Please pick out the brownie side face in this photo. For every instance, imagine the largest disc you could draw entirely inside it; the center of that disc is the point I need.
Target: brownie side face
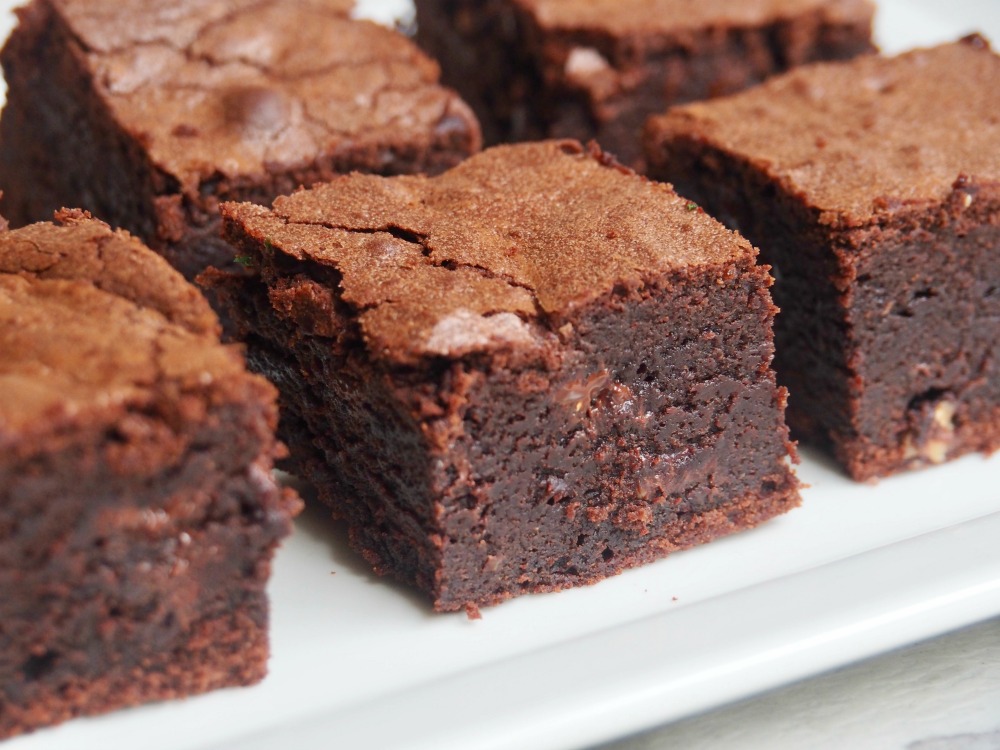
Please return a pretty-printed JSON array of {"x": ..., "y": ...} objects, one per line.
[
  {"x": 138, "y": 513},
  {"x": 585, "y": 69},
  {"x": 878, "y": 207},
  {"x": 529, "y": 373},
  {"x": 148, "y": 116}
]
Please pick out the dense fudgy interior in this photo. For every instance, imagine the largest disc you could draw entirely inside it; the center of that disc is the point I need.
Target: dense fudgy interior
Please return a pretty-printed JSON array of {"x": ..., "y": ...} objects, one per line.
[
  {"x": 886, "y": 340},
  {"x": 532, "y": 81},
  {"x": 133, "y": 575},
  {"x": 123, "y": 588},
  {"x": 652, "y": 425}
]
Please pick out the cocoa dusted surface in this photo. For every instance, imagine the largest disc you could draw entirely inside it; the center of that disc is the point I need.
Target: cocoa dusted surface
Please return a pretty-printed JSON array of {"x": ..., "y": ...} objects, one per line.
[
  {"x": 138, "y": 513},
  {"x": 149, "y": 114},
  {"x": 528, "y": 373},
  {"x": 878, "y": 208},
  {"x": 597, "y": 69}
]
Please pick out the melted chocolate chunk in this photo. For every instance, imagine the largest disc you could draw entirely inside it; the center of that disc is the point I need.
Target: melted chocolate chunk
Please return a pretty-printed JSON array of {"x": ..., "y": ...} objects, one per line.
[{"x": 256, "y": 108}]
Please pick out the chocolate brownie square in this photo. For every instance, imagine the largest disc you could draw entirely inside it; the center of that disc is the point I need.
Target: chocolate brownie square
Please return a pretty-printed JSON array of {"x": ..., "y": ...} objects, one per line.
[
  {"x": 597, "y": 68},
  {"x": 149, "y": 113},
  {"x": 873, "y": 187},
  {"x": 528, "y": 373},
  {"x": 138, "y": 513}
]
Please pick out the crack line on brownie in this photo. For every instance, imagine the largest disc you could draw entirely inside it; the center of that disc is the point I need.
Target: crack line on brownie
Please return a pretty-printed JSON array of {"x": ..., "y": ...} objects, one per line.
[
  {"x": 320, "y": 72},
  {"x": 422, "y": 241},
  {"x": 38, "y": 250}
]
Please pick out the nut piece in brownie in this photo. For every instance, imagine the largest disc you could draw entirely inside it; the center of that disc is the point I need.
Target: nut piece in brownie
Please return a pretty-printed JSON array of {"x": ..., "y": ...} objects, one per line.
[
  {"x": 149, "y": 113},
  {"x": 873, "y": 187},
  {"x": 528, "y": 373},
  {"x": 597, "y": 68},
  {"x": 138, "y": 513}
]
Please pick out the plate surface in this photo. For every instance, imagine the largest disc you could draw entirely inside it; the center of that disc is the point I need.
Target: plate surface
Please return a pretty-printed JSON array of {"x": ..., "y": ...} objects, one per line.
[{"x": 361, "y": 663}]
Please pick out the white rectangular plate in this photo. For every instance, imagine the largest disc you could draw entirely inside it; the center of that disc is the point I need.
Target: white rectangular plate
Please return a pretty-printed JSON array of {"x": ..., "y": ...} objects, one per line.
[{"x": 359, "y": 662}]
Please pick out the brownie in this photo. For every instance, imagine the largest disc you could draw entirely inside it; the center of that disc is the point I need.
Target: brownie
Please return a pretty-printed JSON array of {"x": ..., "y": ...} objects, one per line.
[
  {"x": 531, "y": 372},
  {"x": 149, "y": 113},
  {"x": 873, "y": 187},
  {"x": 138, "y": 512},
  {"x": 597, "y": 68}
]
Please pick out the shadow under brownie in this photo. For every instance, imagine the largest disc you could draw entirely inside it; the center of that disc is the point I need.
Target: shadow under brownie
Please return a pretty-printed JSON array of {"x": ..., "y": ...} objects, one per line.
[{"x": 528, "y": 373}]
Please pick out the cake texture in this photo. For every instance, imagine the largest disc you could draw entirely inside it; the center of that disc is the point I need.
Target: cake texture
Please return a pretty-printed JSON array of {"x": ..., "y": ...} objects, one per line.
[
  {"x": 138, "y": 513},
  {"x": 873, "y": 188},
  {"x": 148, "y": 113},
  {"x": 597, "y": 68},
  {"x": 528, "y": 373}
]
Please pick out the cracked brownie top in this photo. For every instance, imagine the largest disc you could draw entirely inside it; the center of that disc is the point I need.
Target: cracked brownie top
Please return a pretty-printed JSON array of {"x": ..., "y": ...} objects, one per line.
[
  {"x": 497, "y": 252},
  {"x": 93, "y": 323},
  {"x": 233, "y": 88}
]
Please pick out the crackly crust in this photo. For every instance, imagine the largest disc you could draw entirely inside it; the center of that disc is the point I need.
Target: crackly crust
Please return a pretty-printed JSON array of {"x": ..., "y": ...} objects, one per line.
[
  {"x": 492, "y": 253},
  {"x": 149, "y": 114},
  {"x": 81, "y": 249}
]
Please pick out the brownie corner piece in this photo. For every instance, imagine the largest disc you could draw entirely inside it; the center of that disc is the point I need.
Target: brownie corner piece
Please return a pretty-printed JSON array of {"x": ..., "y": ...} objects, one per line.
[
  {"x": 138, "y": 511},
  {"x": 528, "y": 373},
  {"x": 868, "y": 188},
  {"x": 149, "y": 115},
  {"x": 597, "y": 68}
]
